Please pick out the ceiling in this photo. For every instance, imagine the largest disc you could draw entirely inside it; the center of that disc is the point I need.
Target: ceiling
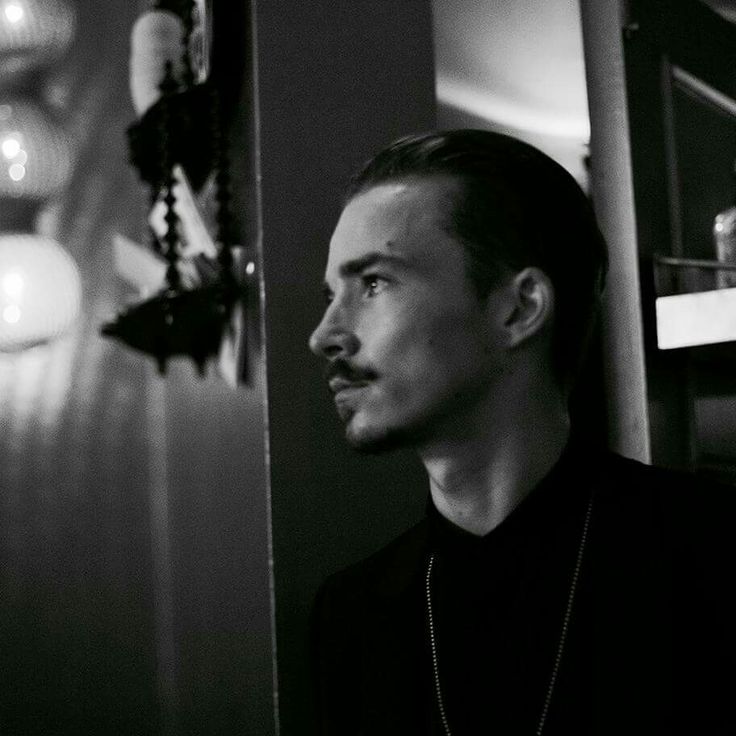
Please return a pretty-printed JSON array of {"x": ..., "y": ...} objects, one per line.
[{"x": 515, "y": 66}]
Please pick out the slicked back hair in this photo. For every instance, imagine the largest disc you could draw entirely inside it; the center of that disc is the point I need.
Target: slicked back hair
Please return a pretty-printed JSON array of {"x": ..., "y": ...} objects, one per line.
[{"x": 514, "y": 207}]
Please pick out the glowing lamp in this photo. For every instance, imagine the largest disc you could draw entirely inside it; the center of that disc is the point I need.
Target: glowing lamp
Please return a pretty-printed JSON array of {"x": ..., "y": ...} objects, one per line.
[
  {"x": 40, "y": 291},
  {"x": 35, "y": 155},
  {"x": 33, "y": 33}
]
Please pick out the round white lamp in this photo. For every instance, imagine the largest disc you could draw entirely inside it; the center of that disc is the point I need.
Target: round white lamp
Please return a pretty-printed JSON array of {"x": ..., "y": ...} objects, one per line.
[
  {"x": 33, "y": 33},
  {"x": 40, "y": 291}
]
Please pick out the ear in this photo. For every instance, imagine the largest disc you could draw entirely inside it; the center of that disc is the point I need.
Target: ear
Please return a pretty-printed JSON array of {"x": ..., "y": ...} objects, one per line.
[{"x": 533, "y": 305}]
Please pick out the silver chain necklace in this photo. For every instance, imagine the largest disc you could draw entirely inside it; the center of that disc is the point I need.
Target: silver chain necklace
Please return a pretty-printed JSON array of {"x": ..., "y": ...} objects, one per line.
[{"x": 560, "y": 645}]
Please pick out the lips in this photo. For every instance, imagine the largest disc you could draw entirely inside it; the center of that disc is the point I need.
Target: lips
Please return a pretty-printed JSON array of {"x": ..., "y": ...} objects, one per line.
[
  {"x": 343, "y": 378},
  {"x": 339, "y": 384}
]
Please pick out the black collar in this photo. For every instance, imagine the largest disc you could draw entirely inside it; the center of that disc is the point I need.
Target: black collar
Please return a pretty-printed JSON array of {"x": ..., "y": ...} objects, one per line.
[{"x": 560, "y": 494}]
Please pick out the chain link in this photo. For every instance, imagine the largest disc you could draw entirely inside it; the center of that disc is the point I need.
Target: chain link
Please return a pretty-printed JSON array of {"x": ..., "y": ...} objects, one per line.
[{"x": 560, "y": 645}]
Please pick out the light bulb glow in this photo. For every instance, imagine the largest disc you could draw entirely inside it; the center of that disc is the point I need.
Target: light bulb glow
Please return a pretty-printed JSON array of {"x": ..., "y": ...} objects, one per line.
[
  {"x": 10, "y": 147},
  {"x": 11, "y": 314},
  {"x": 12, "y": 285},
  {"x": 40, "y": 291},
  {"x": 34, "y": 33},
  {"x": 250, "y": 268},
  {"x": 35, "y": 153},
  {"x": 14, "y": 12},
  {"x": 16, "y": 172}
]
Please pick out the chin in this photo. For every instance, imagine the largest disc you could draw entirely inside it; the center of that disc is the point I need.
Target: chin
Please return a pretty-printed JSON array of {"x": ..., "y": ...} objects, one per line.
[
  {"x": 373, "y": 444},
  {"x": 377, "y": 440}
]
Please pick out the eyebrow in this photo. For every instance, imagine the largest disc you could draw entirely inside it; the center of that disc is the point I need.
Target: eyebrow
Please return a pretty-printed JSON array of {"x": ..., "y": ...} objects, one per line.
[{"x": 357, "y": 265}]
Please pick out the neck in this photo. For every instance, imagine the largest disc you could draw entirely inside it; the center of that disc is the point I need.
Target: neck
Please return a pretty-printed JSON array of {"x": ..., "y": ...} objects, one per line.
[{"x": 479, "y": 477}]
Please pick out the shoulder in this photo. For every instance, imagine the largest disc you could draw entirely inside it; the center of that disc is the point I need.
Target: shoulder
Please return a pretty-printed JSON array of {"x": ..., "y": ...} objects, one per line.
[
  {"x": 386, "y": 572},
  {"x": 363, "y": 632},
  {"x": 389, "y": 567},
  {"x": 689, "y": 505},
  {"x": 626, "y": 476}
]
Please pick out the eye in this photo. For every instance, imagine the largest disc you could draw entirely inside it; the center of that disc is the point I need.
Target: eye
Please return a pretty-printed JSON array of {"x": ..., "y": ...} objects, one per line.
[{"x": 373, "y": 283}]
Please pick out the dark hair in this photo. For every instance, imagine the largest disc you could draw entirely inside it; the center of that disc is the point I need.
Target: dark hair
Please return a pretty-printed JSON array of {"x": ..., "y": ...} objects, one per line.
[{"x": 515, "y": 207}]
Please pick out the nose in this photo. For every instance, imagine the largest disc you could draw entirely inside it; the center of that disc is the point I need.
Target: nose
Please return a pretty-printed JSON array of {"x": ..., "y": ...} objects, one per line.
[{"x": 333, "y": 337}]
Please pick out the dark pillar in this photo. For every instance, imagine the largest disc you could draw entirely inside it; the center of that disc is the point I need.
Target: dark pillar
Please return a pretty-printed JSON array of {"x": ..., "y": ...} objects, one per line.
[{"x": 336, "y": 81}]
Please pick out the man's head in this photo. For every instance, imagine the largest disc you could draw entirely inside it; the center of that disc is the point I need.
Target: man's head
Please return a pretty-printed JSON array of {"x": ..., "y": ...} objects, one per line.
[{"x": 456, "y": 254}]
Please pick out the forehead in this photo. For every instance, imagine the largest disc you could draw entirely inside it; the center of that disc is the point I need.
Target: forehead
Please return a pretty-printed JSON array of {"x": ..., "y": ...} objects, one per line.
[{"x": 408, "y": 218}]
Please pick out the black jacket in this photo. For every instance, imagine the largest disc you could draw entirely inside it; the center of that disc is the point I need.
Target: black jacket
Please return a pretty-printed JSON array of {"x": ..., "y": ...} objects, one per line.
[{"x": 658, "y": 637}]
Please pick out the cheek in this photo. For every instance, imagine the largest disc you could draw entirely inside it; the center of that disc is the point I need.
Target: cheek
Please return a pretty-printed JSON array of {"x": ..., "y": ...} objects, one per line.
[
  {"x": 437, "y": 349},
  {"x": 451, "y": 335},
  {"x": 415, "y": 340}
]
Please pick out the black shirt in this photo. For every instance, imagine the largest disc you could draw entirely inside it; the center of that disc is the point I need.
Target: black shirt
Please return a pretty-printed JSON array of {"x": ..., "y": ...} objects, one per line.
[
  {"x": 651, "y": 649},
  {"x": 499, "y": 603}
]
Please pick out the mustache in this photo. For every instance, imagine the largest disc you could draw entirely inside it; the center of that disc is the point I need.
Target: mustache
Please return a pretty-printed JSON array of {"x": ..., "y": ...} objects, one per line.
[{"x": 341, "y": 368}]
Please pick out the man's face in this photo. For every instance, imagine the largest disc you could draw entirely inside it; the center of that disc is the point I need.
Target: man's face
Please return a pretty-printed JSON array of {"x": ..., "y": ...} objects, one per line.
[{"x": 412, "y": 351}]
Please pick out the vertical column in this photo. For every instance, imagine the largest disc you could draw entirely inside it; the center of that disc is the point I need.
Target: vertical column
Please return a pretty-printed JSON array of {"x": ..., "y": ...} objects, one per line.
[
  {"x": 335, "y": 82},
  {"x": 612, "y": 186}
]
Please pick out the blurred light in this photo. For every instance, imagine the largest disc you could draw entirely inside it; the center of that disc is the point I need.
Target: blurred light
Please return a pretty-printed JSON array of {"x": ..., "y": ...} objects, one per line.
[
  {"x": 16, "y": 172},
  {"x": 34, "y": 33},
  {"x": 511, "y": 113},
  {"x": 11, "y": 314},
  {"x": 719, "y": 227},
  {"x": 12, "y": 285},
  {"x": 14, "y": 12},
  {"x": 40, "y": 291},
  {"x": 155, "y": 39},
  {"x": 10, "y": 147},
  {"x": 250, "y": 268},
  {"x": 28, "y": 133},
  {"x": 201, "y": 40}
]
